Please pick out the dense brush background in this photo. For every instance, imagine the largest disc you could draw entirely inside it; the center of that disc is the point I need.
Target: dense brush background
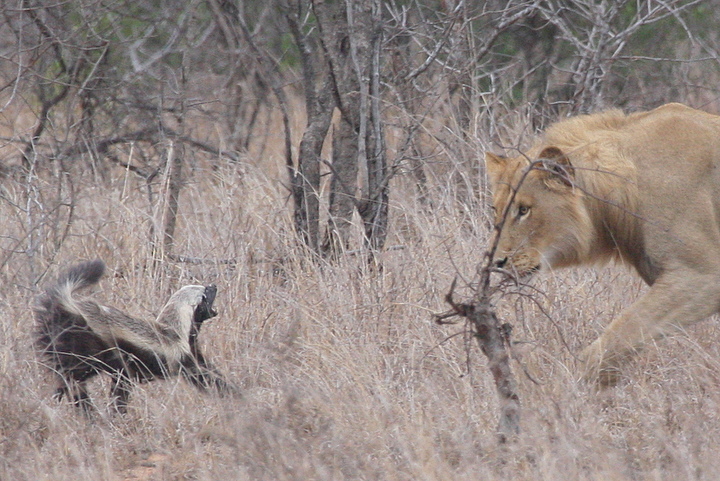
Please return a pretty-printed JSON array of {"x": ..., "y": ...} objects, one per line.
[{"x": 343, "y": 371}]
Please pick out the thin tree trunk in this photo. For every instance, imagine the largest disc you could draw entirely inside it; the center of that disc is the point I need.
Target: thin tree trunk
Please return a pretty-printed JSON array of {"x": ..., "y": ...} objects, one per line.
[
  {"x": 351, "y": 33},
  {"x": 342, "y": 188},
  {"x": 162, "y": 233},
  {"x": 306, "y": 184},
  {"x": 172, "y": 203},
  {"x": 375, "y": 209},
  {"x": 319, "y": 105},
  {"x": 340, "y": 39}
]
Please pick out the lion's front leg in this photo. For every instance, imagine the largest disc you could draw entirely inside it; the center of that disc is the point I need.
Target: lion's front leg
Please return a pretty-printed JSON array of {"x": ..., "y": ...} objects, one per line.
[
  {"x": 602, "y": 366},
  {"x": 675, "y": 301}
]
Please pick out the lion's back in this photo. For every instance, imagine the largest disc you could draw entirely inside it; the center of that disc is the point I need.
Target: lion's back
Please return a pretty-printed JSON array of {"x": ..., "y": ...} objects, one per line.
[
  {"x": 671, "y": 129},
  {"x": 653, "y": 176}
]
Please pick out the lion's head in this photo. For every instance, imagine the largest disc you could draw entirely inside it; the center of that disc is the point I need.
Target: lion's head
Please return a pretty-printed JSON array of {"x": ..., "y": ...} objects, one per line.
[{"x": 543, "y": 220}]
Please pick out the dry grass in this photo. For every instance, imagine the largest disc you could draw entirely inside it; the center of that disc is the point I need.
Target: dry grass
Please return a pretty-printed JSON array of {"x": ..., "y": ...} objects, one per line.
[{"x": 344, "y": 374}]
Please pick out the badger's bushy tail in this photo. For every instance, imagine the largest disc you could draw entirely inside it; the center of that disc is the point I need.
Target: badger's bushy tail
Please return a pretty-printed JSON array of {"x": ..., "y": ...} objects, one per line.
[
  {"x": 61, "y": 331},
  {"x": 79, "y": 277},
  {"x": 60, "y": 295}
]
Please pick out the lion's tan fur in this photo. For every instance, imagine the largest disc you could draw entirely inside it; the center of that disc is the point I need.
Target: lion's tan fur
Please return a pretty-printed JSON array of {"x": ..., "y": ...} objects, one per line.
[
  {"x": 643, "y": 188},
  {"x": 605, "y": 176}
]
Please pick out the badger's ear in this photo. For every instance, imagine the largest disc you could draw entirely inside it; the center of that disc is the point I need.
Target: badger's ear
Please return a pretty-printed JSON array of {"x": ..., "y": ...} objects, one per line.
[{"x": 557, "y": 166}]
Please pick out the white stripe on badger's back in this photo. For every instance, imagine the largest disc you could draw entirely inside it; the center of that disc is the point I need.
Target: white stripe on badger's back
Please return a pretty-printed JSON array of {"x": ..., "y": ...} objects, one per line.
[{"x": 167, "y": 336}]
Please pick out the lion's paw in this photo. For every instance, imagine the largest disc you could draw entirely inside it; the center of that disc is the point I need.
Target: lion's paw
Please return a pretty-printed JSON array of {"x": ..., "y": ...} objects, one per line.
[{"x": 596, "y": 367}]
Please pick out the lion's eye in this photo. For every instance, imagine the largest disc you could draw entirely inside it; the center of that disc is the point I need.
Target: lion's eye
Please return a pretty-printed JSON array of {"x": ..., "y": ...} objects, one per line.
[{"x": 523, "y": 210}]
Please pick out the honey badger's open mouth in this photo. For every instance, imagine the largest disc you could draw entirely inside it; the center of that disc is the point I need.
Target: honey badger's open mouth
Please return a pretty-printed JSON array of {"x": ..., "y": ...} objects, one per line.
[
  {"x": 205, "y": 309},
  {"x": 210, "y": 293}
]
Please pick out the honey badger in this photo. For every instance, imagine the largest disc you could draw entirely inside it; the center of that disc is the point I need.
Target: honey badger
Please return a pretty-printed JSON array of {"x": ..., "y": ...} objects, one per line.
[{"x": 82, "y": 338}]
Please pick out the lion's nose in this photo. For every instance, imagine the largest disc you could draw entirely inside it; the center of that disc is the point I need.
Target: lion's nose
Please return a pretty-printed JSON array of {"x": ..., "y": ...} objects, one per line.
[{"x": 500, "y": 263}]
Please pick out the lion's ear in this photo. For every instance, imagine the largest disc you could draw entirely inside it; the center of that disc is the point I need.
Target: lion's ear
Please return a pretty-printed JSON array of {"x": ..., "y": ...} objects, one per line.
[
  {"x": 557, "y": 166},
  {"x": 496, "y": 165}
]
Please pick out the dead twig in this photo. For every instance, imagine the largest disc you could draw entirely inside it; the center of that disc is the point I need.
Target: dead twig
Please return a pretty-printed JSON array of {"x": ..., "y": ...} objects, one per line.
[
  {"x": 494, "y": 341},
  {"x": 492, "y": 336}
]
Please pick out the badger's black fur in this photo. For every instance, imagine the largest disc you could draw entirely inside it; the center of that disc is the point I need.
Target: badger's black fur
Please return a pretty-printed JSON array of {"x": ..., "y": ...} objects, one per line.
[{"x": 82, "y": 338}]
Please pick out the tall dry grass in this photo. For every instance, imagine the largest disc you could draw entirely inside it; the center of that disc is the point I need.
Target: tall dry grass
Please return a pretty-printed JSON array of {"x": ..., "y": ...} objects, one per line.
[{"x": 344, "y": 374}]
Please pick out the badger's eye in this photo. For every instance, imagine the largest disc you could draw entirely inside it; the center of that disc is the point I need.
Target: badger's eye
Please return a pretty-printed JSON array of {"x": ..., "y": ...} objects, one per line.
[{"x": 523, "y": 210}]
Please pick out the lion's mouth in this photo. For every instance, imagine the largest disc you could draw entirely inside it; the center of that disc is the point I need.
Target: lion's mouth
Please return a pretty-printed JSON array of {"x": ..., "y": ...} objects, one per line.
[{"x": 515, "y": 271}]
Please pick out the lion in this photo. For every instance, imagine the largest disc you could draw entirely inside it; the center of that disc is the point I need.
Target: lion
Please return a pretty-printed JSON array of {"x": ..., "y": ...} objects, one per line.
[{"x": 642, "y": 189}]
